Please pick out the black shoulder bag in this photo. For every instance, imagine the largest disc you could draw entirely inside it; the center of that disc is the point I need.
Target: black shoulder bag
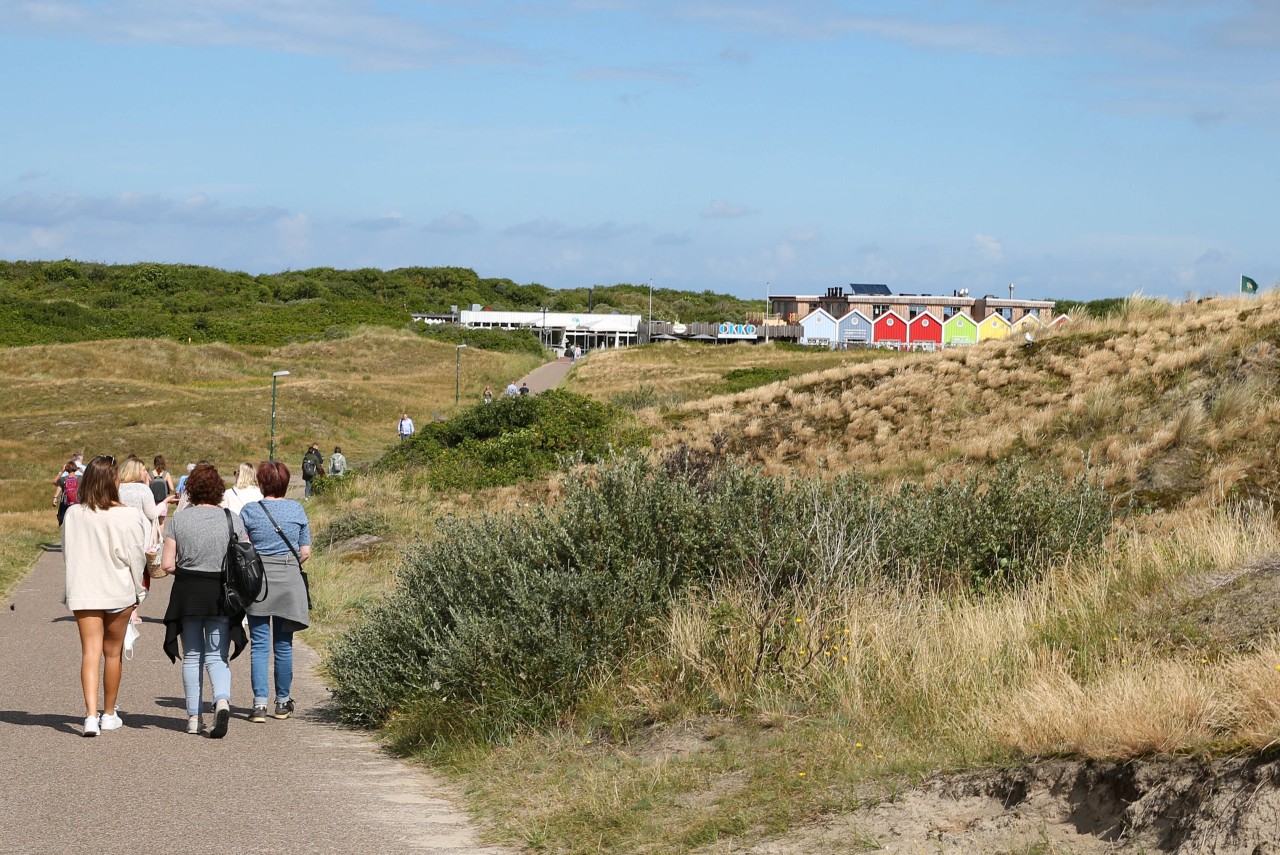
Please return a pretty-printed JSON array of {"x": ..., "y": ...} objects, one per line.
[
  {"x": 306, "y": 584},
  {"x": 244, "y": 579}
]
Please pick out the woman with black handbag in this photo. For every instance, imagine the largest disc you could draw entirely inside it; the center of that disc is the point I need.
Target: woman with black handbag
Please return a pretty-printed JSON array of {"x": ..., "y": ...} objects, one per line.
[
  {"x": 195, "y": 547},
  {"x": 281, "y": 534}
]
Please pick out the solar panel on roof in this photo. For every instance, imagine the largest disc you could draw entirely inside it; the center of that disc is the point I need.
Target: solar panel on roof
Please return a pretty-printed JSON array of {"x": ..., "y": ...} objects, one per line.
[{"x": 868, "y": 290}]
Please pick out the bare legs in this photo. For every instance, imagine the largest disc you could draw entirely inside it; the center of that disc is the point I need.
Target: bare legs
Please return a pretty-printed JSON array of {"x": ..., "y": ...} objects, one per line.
[{"x": 101, "y": 637}]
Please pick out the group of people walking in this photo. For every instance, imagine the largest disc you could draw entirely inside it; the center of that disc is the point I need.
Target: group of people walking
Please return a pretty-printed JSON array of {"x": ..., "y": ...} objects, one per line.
[{"x": 115, "y": 541}]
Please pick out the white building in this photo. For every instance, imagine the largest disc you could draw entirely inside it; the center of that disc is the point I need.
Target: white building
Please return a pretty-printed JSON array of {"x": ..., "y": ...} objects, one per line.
[{"x": 561, "y": 329}]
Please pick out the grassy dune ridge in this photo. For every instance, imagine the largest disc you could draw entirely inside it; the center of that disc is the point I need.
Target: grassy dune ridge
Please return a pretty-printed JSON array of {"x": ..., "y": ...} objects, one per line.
[{"x": 1165, "y": 403}]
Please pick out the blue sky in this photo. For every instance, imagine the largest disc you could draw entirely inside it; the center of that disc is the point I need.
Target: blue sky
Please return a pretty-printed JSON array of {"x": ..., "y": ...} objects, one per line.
[{"x": 1078, "y": 149}]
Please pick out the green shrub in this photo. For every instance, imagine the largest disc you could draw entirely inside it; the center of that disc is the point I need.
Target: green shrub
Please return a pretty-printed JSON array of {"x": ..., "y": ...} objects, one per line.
[
  {"x": 514, "y": 439},
  {"x": 507, "y": 620},
  {"x": 741, "y": 379}
]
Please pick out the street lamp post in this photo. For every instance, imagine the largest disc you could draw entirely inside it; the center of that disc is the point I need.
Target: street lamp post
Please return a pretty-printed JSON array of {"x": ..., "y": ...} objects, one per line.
[
  {"x": 457, "y": 373},
  {"x": 544, "y": 327},
  {"x": 271, "y": 449},
  {"x": 766, "y": 313}
]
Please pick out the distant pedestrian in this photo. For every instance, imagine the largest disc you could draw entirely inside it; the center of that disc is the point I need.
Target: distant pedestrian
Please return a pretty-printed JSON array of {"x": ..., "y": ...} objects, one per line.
[
  {"x": 245, "y": 490},
  {"x": 524, "y": 389},
  {"x": 281, "y": 533},
  {"x": 66, "y": 489},
  {"x": 488, "y": 395},
  {"x": 183, "y": 498},
  {"x": 406, "y": 427},
  {"x": 182, "y": 480},
  {"x": 337, "y": 462},
  {"x": 161, "y": 490},
  {"x": 104, "y": 553},
  {"x": 512, "y": 389},
  {"x": 195, "y": 545},
  {"x": 312, "y": 468}
]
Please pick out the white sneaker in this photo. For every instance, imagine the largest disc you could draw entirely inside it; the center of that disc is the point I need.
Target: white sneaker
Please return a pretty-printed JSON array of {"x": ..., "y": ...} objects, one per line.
[
  {"x": 91, "y": 726},
  {"x": 111, "y": 721},
  {"x": 221, "y": 716},
  {"x": 194, "y": 725}
]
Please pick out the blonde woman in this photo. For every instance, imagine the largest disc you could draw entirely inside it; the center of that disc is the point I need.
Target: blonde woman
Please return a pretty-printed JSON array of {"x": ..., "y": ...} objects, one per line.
[
  {"x": 135, "y": 491},
  {"x": 103, "y": 549},
  {"x": 246, "y": 489}
]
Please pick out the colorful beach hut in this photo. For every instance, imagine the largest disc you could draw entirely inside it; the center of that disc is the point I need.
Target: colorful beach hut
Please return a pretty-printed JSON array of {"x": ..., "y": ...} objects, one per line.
[
  {"x": 924, "y": 331},
  {"x": 889, "y": 329},
  {"x": 959, "y": 329},
  {"x": 1059, "y": 321},
  {"x": 1028, "y": 323},
  {"x": 818, "y": 328},
  {"x": 993, "y": 327},
  {"x": 854, "y": 328}
]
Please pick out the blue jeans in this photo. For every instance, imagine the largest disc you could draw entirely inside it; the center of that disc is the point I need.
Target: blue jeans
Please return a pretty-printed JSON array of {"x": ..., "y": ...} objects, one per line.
[
  {"x": 204, "y": 647},
  {"x": 260, "y": 635}
]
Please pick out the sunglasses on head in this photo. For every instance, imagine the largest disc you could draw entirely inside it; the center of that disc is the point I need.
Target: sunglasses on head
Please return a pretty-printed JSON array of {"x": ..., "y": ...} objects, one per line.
[{"x": 105, "y": 457}]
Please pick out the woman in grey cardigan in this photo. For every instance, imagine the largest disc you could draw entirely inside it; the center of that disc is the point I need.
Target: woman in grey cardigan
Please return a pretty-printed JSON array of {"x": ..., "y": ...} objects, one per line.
[{"x": 281, "y": 533}]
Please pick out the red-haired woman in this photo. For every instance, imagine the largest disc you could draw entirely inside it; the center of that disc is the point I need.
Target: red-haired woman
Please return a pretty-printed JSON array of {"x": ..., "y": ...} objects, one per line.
[
  {"x": 195, "y": 545},
  {"x": 281, "y": 533},
  {"x": 104, "y": 549}
]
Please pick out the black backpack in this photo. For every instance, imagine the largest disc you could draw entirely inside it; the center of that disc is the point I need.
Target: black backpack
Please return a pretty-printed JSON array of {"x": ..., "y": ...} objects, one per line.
[
  {"x": 159, "y": 489},
  {"x": 243, "y": 576},
  {"x": 309, "y": 467}
]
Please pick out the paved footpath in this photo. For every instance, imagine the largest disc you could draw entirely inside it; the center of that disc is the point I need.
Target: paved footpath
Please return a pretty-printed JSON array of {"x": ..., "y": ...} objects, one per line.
[
  {"x": 547, "y": 376},
  {"x": 302, "y": 785}
]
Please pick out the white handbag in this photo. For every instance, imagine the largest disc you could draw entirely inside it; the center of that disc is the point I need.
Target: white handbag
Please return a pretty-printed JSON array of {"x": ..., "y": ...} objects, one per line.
[{"x": 130, "y": 639}]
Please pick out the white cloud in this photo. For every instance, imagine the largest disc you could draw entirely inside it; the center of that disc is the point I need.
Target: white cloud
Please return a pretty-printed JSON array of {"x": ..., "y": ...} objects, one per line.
[
  {"x": 722, "y": 210},
  {"x": 988, "y": 248},
  {"x": 453, "y": 223}
]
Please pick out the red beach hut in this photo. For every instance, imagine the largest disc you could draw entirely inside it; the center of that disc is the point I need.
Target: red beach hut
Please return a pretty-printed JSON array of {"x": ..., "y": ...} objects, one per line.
[
  {"x": 924, "y": 329},
  {"x": 889, "y": 329}
]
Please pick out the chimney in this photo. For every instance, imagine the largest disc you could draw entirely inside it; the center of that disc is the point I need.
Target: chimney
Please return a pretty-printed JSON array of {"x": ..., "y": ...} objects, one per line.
[{"x": 1010, "y": 290}]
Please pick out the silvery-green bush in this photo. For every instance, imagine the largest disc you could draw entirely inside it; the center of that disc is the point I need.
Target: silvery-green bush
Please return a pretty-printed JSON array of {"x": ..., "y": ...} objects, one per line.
[{"x": 507, "y": 619}]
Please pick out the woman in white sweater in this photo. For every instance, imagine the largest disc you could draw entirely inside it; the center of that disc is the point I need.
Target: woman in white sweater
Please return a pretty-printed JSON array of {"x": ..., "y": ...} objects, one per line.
[{"x": 103, "y": 548}]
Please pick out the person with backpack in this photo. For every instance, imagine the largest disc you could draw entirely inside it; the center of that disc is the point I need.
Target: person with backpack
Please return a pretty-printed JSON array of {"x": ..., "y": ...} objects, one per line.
[
  {"x": 337, "y": 462},
  {"x": 161, "y": 489},
  {"x": 281, "y": 534},
  {"x": 67, "y": 489},
  {"x": 405, "y": 428},
  {"x": 195, "y": 547},
  {"x": 312, "y": 468}
]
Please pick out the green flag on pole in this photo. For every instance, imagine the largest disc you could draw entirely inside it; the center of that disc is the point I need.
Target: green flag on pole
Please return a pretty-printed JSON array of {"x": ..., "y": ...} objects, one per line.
[{"x": 1248, "y": 286}]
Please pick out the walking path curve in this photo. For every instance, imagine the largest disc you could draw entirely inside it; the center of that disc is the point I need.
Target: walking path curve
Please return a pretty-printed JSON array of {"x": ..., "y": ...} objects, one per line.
[
  {"x": 298, "y": 786},
  {"x": 546, "y": 376}
]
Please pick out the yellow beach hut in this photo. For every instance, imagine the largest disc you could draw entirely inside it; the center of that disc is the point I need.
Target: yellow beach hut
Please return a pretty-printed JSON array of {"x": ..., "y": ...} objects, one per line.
[{"x": 992, "y": 327}]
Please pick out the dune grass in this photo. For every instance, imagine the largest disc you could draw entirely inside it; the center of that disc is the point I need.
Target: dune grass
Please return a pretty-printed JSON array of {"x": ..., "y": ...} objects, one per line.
[
  {"x": 673, "y": 373},
  {"x": 214, "y": 401}
]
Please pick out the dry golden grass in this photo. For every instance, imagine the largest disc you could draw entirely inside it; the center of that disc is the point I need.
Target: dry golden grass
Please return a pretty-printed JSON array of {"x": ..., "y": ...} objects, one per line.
[
  {"x": 214, "y": 401},
  {"x": 679, "y": 371},
  {"x": 1167, "y": 403}
]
